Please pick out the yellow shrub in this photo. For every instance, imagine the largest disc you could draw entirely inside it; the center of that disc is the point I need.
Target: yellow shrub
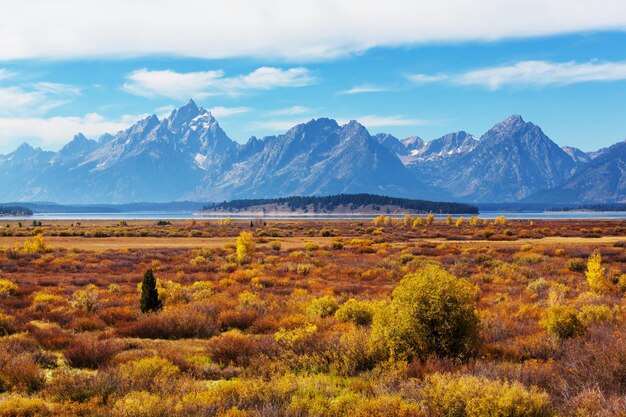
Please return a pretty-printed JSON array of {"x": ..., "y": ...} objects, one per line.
[
  {"x": 201, "y": 290},
  {"x": 385, "y": 406},
  {"x": 42, "y": 299},
  {"x": 499, "y": 220},
  {"x": 16, "y": 406},
  {"x": 289, "y": 337},
  {"x": 471, "y": 396},
  {"x": 590, "y": 314},
  {"x": 7, "y": 288},
  {"x": 562, "y": 322},
  {"x": 359, "y": 312},
  {"x": 36, "y": 245},
  {"x": 85, "y": 300},
  {"x": 149, "y": 372},
  {"x": 322, "y": 307},
  {"x": 141, "y": 404},
  {"x": 431, "y": 312}
]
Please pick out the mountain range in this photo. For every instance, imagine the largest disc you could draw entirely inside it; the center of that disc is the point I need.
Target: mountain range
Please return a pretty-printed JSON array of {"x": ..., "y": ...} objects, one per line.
[{"x": 187, "y": 156}]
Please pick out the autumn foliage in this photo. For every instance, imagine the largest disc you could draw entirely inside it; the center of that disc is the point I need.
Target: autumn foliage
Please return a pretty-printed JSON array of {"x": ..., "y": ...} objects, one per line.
[{"x": 414, "y": 316}]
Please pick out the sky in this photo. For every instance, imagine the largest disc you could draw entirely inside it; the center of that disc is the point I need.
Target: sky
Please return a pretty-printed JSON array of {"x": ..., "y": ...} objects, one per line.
[{"x": 405, "y": 67}]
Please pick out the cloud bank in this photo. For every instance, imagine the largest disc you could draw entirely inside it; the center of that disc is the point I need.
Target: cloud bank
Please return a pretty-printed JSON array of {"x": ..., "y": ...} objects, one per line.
[
  {"x": 202, "y": 84},
  {"x": 288, "y": 29},
  {"x": 532, "y": 73}
]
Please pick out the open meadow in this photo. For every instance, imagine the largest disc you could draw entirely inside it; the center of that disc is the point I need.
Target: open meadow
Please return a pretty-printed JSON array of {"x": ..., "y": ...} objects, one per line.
[{"x": 412, "y": 317}]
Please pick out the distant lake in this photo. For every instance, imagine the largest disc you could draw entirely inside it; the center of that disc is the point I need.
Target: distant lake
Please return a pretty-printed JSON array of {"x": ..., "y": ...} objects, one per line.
[{"x": 189, "y": 215}]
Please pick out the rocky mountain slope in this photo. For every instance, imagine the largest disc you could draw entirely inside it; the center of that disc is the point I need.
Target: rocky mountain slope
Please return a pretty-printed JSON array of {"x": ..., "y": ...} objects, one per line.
[{"x": 188, "y": 156}]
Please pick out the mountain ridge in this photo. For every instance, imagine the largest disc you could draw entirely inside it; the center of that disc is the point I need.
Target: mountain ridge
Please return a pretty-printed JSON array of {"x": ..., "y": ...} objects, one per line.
[{"x": 188, "y": 156}]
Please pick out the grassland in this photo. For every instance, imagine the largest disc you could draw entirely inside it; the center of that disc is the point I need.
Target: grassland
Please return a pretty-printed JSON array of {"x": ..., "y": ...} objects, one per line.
[{"x": 315, "y": 319}]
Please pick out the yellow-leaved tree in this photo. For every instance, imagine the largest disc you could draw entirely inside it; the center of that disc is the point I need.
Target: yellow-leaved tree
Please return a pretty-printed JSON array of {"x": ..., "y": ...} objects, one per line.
[
  {"x": 245, "y": 247},
  {"x": 595, "y": 272}
]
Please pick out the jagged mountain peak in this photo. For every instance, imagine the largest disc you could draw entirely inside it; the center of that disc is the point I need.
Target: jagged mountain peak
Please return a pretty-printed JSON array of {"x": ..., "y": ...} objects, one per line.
[
  {"x": 188, "y": 155},
  {"x": 413, "y": 143},
  {"x": 315, "y": 124},
  {"x": 24, "y": 148},
  {"x": 392, "y": 143},
  {"x": 184, "y": 115}
]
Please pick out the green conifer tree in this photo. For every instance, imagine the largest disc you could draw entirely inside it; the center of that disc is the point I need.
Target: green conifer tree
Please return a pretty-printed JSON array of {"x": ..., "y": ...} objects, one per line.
[{"x": 149, "y": 294}]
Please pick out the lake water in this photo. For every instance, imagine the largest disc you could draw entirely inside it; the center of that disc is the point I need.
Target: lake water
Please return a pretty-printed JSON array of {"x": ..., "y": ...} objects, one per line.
[{"x": 190, "y": 215}]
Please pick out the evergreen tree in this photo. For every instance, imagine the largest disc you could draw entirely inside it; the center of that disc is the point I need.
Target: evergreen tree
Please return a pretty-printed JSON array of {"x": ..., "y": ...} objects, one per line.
[{"x": 149, "y": 294}]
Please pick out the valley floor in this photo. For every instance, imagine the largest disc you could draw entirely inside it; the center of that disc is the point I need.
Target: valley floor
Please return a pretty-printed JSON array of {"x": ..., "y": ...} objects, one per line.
[{"x": 314, "y": 318}]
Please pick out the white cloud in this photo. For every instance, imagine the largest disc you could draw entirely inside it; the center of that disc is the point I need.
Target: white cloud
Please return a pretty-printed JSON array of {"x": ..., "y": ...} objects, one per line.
[
  {"x": 544, "y": 73},
  {"x": 294, "y": 30},
  {"x": 164, "y": 111},
  {"x": 532, "y": 73},
  {"x": 426, "y": 79},
  {"x": 53, "y": 132},
  {"x": 202, "y": 84},
  {"x": 4, "y": 74},
  {"x": 276, "y": 125},
  {"x": 360, "y": 89},
  {"x": 219, "y": 111},
  {"x": 36, "y": 98},
  {"x": 290, "y": 111},
  {"x": 57, "y": 88}
]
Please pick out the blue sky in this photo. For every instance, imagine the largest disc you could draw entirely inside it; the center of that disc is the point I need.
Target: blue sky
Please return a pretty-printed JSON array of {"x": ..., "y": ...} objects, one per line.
[{"x": 396, "y": 70}]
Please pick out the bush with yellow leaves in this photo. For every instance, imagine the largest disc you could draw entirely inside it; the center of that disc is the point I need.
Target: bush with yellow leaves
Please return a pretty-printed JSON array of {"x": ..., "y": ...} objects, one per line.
[
  {"x": 148, "y": 373},
  {"x": 431, "y": 312},
  {"x": 359, "y": 312},
  {"x": 141, "y": 404},
  {"x": 470, "y": 396},
  {"x": 7, "y": 288}
]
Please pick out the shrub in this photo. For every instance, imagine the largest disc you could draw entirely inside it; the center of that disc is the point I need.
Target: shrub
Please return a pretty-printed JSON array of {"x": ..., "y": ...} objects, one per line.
[
  {"x": 336, "y": 245},
  {"x": 141, "y": 404},
  {"x": 17, "y": 406},
  {"x": 87, "y": 324},
  {"x": 232, "y": 348},
  {"x": 322, "y": 307},
  {"x": 385, "y": 406},
  {"x": 303, "y": 269},
  {"x": 431, "y": 312},
  {"x": 91, "y": 352},
  {"x": 201, "y": 290},
  {"x": 447, "y": 395},
  {"x": 186, "y": 321},
  {"x": 575, "y": 265},
  {"x": 149, "y": 373},
  {"x": 310, "y": 246},
  {"x": 85, "y": 300},
  {"x": 562, "y": 322},
  {"x": 6, "y": 324},
  {"x": 36, "y": 245},
  {"x": 359, "y": 312},
  {"x": 82, "y": 386},
  {"x": 591, "y": 314},
  {"x": 7, "y": 288},
  {"x": 237, "y": 319},
  {"x": 20, "y": 373}
]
